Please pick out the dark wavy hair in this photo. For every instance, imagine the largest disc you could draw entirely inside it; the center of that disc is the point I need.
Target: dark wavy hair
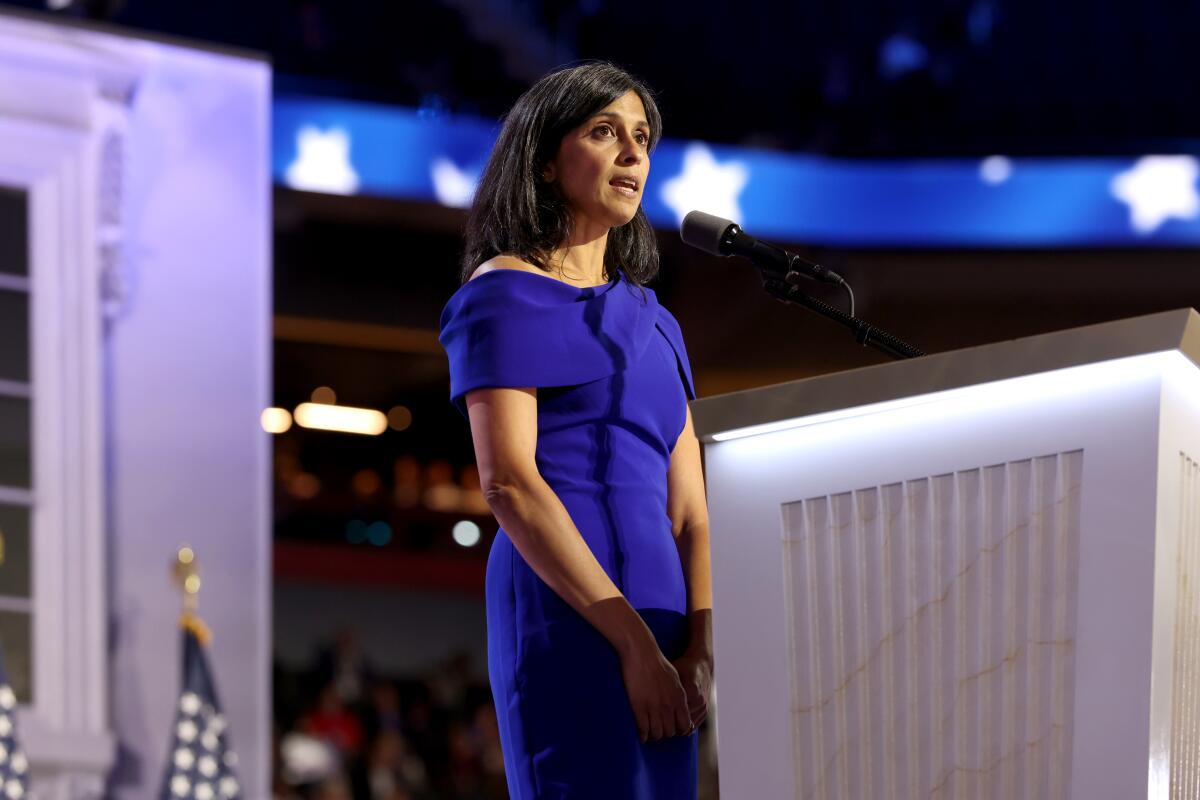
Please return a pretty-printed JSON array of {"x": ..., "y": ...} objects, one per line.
[{"x": 516, "y": 212}]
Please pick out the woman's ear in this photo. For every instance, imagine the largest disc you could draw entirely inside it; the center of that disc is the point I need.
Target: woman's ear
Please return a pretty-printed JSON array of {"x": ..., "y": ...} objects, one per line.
[{"x": 548, "y": 173}]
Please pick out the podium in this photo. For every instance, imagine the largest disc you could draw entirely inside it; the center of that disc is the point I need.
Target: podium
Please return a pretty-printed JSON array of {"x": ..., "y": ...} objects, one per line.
[{"x": 970, "y": 575}]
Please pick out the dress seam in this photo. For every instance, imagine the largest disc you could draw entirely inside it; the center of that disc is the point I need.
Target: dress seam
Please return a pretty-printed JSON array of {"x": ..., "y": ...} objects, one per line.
[
  {"x": 517, "y": 661},
  {"x": 684, "y": 385}
]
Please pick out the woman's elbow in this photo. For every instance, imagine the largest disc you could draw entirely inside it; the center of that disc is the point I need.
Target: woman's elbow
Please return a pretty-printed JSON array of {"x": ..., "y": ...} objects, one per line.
[
  {"x": 498, "y": 494},
  {"x": 695, "y": 524},
  {"x": 503, "y": 488}
]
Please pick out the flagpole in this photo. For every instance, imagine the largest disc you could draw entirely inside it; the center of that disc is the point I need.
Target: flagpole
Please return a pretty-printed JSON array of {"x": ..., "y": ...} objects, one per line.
[
  {"x": 186, "y": 572},
  {"x": 201, "y": 765}
]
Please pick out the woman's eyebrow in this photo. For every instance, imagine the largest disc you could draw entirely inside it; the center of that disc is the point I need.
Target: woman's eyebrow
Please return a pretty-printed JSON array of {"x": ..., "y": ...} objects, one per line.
[{"x": 613, "y": 115}]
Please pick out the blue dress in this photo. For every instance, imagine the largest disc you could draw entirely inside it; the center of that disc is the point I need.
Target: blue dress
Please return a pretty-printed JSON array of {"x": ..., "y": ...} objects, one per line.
[{"x": 613, "y": 383}]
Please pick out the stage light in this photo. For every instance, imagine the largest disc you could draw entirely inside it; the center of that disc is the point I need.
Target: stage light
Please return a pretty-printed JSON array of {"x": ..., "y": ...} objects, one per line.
[
  {"x": 379, "y": 533},
  {"x": 399, "y": 418},
  {"x": 325, "y": 395},
  {"x": 343, "y": 419},
  {"x": 901, "y": 54},
  {"x": 366, "y": 482},
  {"x": 275, "y": 420},
  {"x": 356, "y": 531},
  {"x": 304, "y": 486},
  {"x": 466, "y": 533}
]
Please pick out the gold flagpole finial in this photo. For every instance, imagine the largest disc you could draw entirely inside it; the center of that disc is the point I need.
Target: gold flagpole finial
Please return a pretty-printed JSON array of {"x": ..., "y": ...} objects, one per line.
[{"x": 187, "y": 575}]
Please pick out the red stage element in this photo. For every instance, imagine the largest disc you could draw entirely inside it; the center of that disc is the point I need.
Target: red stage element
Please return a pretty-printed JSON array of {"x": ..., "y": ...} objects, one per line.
[{"x": 340, "y": 564}]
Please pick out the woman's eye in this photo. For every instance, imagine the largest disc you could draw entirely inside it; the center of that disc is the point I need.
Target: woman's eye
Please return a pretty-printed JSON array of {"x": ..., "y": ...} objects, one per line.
[
  {"x": 642, "y": 138},
  {"x": 605, "y": 129}
]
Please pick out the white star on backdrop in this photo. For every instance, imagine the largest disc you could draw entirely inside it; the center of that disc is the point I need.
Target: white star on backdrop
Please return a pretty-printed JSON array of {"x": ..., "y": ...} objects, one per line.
[
  {"x": 705, "y": 185},
  {"x": 995, "y": 170},
  {"x": 322, "y": 162},
  {"x": 452, "y": 186},
  {"x": 1158, "y": 188}
]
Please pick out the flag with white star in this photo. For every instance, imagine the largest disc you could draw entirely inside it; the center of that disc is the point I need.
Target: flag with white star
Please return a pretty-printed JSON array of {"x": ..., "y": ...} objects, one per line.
[
  {"x": 14, "y": 767},
  {"x": 201, "y": 764}
]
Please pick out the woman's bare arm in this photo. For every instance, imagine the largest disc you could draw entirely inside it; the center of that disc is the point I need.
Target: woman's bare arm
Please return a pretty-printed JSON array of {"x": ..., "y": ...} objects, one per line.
[
  {"x": 504, "y": 430},
  {"x": 688, "y": 510}
]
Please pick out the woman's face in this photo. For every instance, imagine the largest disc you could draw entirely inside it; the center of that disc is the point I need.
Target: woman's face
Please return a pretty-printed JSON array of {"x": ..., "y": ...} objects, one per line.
[{"x": 601, "y": 166}]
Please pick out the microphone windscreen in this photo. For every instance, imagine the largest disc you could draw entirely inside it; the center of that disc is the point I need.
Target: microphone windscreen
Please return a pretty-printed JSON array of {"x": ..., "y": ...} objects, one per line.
[{"x": 704, "y": 231}]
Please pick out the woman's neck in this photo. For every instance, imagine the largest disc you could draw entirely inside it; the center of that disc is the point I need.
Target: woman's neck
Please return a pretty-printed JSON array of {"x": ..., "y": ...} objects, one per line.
[{"x": 580, "y": 260}]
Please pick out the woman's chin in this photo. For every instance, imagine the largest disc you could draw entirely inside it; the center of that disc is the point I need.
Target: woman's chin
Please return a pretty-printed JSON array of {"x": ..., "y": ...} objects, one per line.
[
  {"x": 623, "y": 217},
  {"x": 610, "y": 216}
]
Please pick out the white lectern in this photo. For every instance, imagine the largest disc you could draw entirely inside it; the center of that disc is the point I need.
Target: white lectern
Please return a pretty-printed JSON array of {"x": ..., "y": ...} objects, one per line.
[{"x": 969, "y": 575}]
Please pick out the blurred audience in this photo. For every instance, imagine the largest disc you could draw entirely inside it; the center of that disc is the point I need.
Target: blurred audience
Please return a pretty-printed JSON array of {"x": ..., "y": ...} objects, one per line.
[
  {"x": 334, "y": 724},
  {"x": 343, "y": 665},
  {"x": 346, "y": 732},
  {"x": 394, "y": 770},
  {"x": 371, "y": 737}
]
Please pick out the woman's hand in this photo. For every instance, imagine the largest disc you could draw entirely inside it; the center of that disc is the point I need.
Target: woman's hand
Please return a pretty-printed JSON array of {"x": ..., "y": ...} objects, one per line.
[
  {"x": 659, "y": 702},
  {"x": 696, "y": 674}
]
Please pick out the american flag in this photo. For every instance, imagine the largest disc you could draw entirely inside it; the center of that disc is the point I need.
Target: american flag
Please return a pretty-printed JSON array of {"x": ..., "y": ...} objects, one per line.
[
  {"x": 14, "y": 767},
  {"x": 201, "y": 764}
]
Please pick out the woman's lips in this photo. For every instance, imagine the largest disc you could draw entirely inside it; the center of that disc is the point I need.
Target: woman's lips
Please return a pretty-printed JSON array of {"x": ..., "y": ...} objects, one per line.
[{"x": 624, "y": 186}]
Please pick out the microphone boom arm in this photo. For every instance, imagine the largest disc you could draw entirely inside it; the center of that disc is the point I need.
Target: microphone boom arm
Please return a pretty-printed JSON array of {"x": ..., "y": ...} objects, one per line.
[
  {"x": 785, "y": 290},
  {"x": 781, "y": 271}
]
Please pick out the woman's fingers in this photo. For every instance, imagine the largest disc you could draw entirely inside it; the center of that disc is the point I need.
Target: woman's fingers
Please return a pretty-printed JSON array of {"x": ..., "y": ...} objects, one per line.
[
  {"x": 672, "y": 719},
  {"x": 656, "y": 727},
  {"x": 662, "y": 705},
  {"x": 683, "y": 718}
]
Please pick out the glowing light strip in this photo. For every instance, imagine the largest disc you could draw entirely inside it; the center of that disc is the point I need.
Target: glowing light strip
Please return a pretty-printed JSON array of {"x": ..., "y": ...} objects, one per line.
[
  {"x": 1073, "y": 379},
  {"x": 342, "y": 147},
  {"x": 343, "y": 419}
]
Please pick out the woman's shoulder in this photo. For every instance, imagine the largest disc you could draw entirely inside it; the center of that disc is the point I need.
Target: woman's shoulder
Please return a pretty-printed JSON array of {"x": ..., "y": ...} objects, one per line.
[
  {"x": 505, "y": 262},
  {"x": 506, "y": 288},
  {"x": 499, "y": 281}
]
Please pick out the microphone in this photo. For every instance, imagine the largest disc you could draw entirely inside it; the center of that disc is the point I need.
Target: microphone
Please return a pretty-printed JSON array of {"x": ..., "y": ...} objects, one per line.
[{"x": 723, "y": 237}]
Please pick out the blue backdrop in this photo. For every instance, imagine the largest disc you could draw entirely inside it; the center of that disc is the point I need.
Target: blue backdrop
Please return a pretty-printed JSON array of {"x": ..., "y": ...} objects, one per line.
[{"x": 347, "y": 147}]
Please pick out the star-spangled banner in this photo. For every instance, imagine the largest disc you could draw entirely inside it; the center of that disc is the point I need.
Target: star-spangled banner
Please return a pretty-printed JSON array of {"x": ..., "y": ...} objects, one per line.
[
  {"x": 345, "y": 147},
  {"x": 201, "y": 764},
  {"x": 14, "y": 766}
]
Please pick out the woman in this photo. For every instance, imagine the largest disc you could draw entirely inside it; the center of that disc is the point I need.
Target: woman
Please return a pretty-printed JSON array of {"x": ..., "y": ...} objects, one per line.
[{"x": 575, "y": 383}]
